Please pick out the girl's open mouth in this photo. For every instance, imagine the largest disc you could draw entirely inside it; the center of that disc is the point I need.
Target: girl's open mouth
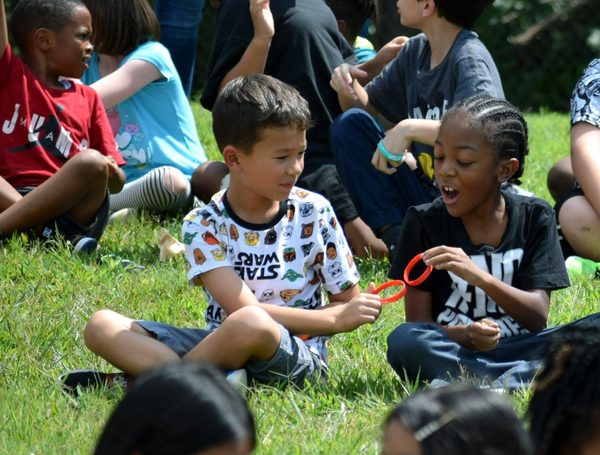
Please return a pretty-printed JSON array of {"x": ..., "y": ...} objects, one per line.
[{"x": 449, "y": 194}]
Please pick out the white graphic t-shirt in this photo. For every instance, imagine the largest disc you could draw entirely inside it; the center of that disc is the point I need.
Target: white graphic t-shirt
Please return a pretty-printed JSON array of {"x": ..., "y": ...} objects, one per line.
[{"x": 285, "y": 262}]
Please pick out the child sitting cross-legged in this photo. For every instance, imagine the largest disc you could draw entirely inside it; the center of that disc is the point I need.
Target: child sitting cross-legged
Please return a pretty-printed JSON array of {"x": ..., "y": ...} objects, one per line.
[
  {"x": 495, "y": 257},
  {"x": 264, "y": 251},
  {"x": 58, "y": 154}
]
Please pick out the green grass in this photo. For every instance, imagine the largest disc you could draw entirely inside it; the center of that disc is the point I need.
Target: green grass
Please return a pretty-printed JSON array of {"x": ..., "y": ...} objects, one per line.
[{"x": 46, "y": 297}]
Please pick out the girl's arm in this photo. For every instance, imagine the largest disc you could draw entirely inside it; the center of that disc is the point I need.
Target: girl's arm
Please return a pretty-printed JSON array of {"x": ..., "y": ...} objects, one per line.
[
  {"x": 255, "y": 57},
  {"x": 351, "y": 93},
  {"x": 126, "y": 81},
  {"x": 529, "y": 308},
  {"x": 349, "y": 310}
]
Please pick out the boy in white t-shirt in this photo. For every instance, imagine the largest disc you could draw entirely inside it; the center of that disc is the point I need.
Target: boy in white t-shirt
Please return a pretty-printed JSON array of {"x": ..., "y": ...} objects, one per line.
[{"x": 262, "y": 249}]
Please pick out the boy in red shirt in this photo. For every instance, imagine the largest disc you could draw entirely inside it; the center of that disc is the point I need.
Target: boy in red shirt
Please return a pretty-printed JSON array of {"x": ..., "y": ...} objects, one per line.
[{"x": 57, "y": 152}]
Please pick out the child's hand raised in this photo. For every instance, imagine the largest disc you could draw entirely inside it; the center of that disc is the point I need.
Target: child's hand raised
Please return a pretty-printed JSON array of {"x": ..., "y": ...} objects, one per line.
[
  {"x": 482, "y": 335},
  {"x": 342, "y": 79},
  {"x": 262, "y": 19},
  {"x": 456, "y": 261}
]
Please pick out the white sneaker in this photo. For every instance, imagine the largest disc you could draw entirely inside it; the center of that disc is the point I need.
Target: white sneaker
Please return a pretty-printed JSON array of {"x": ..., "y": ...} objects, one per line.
[{"x": 238, "y": 379}]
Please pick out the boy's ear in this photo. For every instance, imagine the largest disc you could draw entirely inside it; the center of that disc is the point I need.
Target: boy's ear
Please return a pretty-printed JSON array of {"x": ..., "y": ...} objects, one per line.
[
  {"x": 43, "y": 38},
  {"x": 341, "y": 25},
  {"x": 507, "y": 169},
  {"x": 428, "y": 7},
  {"x": 231, "y": 157}
]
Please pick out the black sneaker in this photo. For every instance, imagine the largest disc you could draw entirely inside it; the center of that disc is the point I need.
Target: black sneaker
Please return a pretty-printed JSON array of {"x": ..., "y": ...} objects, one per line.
[
  {"x": 84, "y": 245},
  {"x": 75, "y": 380}
]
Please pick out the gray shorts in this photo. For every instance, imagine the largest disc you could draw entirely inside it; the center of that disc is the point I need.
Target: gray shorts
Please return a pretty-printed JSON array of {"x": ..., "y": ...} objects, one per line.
[{"x": 293, "y": 362}]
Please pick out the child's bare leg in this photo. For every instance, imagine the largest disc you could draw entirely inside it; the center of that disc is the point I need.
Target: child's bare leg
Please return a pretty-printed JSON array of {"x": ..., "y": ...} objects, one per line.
[
  {"x": 8, "y": 195},
  {"x": 124, "y": 343},
  {"x": 206, "y": 179},
  {"x": 560, "y": 178},
  {"x": 78, "y": 188},
  {"x": 248, "y": 334},
  {"x": 580, "y": 225}
]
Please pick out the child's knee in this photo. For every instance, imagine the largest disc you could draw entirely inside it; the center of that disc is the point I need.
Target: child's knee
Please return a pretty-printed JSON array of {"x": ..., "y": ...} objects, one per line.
[
  {"x": 97, "y": 327},
  {"x": 206, "y": 179},
  {"x": 175, "y": 181},
  {"x": 407, "y": 344},
  {"x": 254, "y": 325},
  {"x": 90, "y": 163}
]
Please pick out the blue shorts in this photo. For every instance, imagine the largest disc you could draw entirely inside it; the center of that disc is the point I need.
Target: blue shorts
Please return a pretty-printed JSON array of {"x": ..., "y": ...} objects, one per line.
[{"x": 293, "y": 362}]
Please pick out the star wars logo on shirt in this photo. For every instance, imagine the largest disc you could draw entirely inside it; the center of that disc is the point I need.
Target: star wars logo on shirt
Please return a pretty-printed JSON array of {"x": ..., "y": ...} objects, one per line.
[
  {"x": 257, "y": 266},
  {"x": 467, "y": 303}
]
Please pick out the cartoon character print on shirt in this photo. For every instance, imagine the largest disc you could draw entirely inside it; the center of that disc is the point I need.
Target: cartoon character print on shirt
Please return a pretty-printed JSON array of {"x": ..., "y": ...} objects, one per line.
[
  {"x": 208, "y": 221},
  {"x": 233, "y": 233},
  {"x": 215, "y": 209},
  {"x": 271, "y": 237},
  {"x": 307, "y": 230},
  {"x": 129, "y": 141},
  {"x": 208, "y": 238},
  {"x": 289, "y": 254},
  {"x": 345, "y": 285},
  {"x": 230, "y": 252},
  {"x": 307, "y": 209},
  {"x": 350, "y": 260},
  {"x": 335, "y": 269},
  {"x": 223, "y": 229},
  {"x": 267, "y": 294},
  {"x": 319, "y": 259},
  {"x": 288, "y": 294},
  {"x": 325, "y": 234},
  {"x": 286, "y": 232},
  {"x": 331, "y": 251},
  {"x": 291, "y": 275},
  {"x": 218, "y": 254},
  {"x": 307, "y": 248},
  {"x": 251, "y": 238},
  {"x": 199, "y": 257},
  {"x": 315, "y": 279},
  {"x": 188, "y": 238},
  {"x": 290, "y": 212},
  {"x": 584, "y": 100},
  {"x": 301, "y": 193},
  {"x": 333, "y": 222}
]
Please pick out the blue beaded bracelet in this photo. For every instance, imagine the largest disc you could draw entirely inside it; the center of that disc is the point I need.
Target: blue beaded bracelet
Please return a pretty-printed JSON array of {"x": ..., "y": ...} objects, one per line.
[{"x": 388, "y": 155}]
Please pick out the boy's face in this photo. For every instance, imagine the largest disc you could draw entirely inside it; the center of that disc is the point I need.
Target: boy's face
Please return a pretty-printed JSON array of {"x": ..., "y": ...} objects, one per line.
[
  {"x": 410, "y": 12},
  {"x": 71, "y": 48},
  {"x": 466, "y": 169},
  {"x": 274, "y": 165}
]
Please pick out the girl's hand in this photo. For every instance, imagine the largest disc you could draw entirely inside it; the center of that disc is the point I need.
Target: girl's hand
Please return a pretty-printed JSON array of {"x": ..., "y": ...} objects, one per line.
[
  {"x": 262, "y": 19},
  {"x": 482, "y": 335},
  {"x": 456, "y": 261},
  {"x": 342, "y": 79}
]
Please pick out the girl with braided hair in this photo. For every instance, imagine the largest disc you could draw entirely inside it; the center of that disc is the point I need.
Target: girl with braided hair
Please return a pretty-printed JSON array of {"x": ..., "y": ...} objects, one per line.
[
  {"x": 565, "y": 407},
  {"x": 495, "y": 257},
  {"x": 454, "y": 420}
]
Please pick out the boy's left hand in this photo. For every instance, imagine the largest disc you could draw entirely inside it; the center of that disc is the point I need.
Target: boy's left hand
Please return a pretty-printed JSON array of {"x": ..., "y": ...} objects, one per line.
[{"x": 454, "y": 260}]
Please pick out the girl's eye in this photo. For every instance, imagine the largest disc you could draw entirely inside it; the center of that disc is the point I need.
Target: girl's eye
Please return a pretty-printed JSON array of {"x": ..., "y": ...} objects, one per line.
[
  {"x": 438, "y": 158},
  {"x": 463, "y": 163}
]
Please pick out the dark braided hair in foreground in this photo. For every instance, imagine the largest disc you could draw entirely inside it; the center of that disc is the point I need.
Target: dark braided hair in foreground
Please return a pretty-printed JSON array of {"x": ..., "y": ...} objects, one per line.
[
  {"x": 501, "y": 123},
  {"x": 565, "y": 407}
]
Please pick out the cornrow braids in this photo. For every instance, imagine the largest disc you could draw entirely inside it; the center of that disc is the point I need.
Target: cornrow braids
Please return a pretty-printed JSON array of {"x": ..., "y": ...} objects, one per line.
[
  {"x": 502, "y": 125},
  {"x": 565, "y": 407}
]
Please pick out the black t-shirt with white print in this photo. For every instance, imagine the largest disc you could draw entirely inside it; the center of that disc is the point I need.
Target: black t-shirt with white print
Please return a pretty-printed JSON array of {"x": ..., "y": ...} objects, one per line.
[{"x": 528, "y": 257}]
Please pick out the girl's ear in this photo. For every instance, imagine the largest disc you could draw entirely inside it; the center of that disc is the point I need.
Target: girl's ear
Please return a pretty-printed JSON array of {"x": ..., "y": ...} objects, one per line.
[
  {"x": 507, "y": 169},
  {"x": 231, "y": 156}
]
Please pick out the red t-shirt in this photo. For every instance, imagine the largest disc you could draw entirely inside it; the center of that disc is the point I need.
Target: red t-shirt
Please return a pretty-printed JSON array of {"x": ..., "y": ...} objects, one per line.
[{"x": 41, "y": 128}]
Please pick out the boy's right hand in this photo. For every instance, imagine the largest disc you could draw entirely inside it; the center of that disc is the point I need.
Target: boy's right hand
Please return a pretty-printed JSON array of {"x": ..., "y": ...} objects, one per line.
[
  {"x": 482, "y": 335},
  {"x": 342, "y": 79},
  {"x": 262, "y": 19},
  {"x": 365, "y": 308}
]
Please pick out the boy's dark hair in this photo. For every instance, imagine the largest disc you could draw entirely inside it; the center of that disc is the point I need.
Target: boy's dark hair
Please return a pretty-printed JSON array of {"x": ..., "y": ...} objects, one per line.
[
  {"x": 248, "y": 105},
  {"x": 182, "y": 408},
  {"x": 565, "y": 407},
  {"x": 462, "y": 12},
  {"x": 502, "y": 124},
  {"x": 120, "y": 26},
  {"x": 354, "y": 13},
  {"x": 31, "y": 15},
  {"x": 463, "y": 419}
]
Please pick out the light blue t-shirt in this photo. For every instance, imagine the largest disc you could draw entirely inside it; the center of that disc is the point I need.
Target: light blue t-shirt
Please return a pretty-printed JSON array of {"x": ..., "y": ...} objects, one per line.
[{"x": 155, "y": 127}]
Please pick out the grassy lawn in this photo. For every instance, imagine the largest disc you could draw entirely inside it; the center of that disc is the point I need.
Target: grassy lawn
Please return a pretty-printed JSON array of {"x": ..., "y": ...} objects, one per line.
[{"x": 46, "y": 297}]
